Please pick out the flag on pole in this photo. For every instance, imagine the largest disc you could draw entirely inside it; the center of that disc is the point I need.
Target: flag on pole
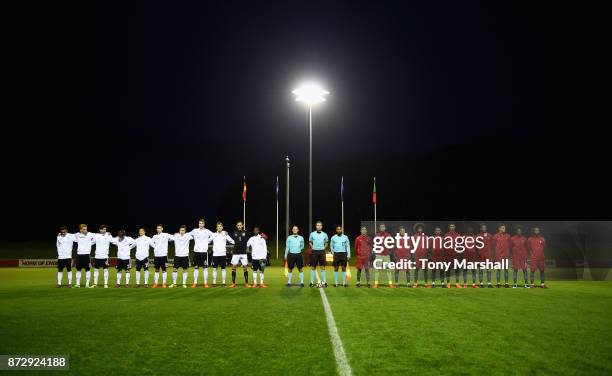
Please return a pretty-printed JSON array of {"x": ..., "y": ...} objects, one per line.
[
  {"x": 342, "y": 189},
  {"x": 374, "y": 193},
  {"x": 244, "y": 189},
  {"x": 286, "y": 269},
  {"x": 348, "y": 272},
  {"x": 277, "y": 188}
]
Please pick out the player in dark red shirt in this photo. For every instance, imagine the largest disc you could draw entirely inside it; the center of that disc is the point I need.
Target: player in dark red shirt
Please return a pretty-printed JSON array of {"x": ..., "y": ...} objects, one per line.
[
  {"x": 402, "y": 256},
  {"x": 518, "y": 244},
  {"x": 363, "y": 248},
  {"x": 384, "y": 255},
  {"x": 437, "y": 255},
  {"x": 471, "y": 255},
  {"x": 420, "y": 253},
  {"x": 484, "y": 253},
  {"x": 452, "y": 254},
  {"x": 501, "y": 243},
  {"x": 535, "y": 247}
]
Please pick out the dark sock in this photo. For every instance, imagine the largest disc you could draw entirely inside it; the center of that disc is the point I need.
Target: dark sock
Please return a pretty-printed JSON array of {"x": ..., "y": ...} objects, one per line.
[
  {"x": 498, "y": 273},
  {"x": 525, "y": 277},
  {"x": 396, "y": 276},
  {"x": 358, "y": 275},
  {"x": 367, "y": 273},
  {"x": 542, "y": 276},
  {"x": 488, "y": 276},
  {"x": 532, "y": 278},
  {"x": 425, "y": 275},
  {"x": 480, "y": 275},
  {"x": 506, "y": 276},
  {"x": 515, "y": 277},
  {"x": 408, "y": 276},
  {"x": 246, "y": 276},
  {"x": 233, "y": 276}
]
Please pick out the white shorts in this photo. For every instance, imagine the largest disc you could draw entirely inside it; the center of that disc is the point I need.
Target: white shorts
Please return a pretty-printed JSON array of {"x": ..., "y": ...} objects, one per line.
[{"x": 240, "y": 258}]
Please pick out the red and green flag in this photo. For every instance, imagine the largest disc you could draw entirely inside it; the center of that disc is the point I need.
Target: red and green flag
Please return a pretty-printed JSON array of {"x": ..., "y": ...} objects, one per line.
[{"x": 374, "y": 192}]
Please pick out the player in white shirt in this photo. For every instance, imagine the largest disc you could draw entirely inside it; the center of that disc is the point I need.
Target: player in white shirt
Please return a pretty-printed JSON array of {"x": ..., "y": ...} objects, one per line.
[
  {"x": 201, "y": 235},
  {"x": 181, "y": 255},
  {"x": 102, "y": 241},
  {"x": 84, "y": 240},
  {"x": 124, "y": 245},
  {"x": 143, "y": 243},
  {"x": 160, "y": 251},
  {"x": 219, "y": 239},
  {"x": 64, "y": 243},
  {"x": 259, "y": 255}
]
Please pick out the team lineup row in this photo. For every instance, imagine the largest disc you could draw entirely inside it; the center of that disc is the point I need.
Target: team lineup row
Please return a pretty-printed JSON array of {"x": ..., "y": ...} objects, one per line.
[{"x": 502, "y": 244}]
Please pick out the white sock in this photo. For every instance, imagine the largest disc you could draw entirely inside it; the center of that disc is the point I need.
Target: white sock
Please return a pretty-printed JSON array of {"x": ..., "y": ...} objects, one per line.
[
  {"x": 223, "y": 276},
  {"x": 196, "y": 272},
  {"x": 254, "y": 277},
  {"x": 137, "y": 277},
  {"x": 205, "y": 272},
  {"x": 127, "y": 277},
  {"x": 146, "y": 274},
  {"x": 214, "y": 276},
  {"x": 156, "y": 277},
  {"x": 87, "y": 277},
  {"x": 174, "y": 276},
  {"x": 184, "y": 277},
  {"x": 118, "y": 278},
  {"x": 69, "y": 277},
  {"x": 60, "y": 276},
  {"x": 164, "y": 277},
  {"x": 261, "y": 277},
  {"x": 96, "y": 274},
  {"x": 106, "y": 276},
  {"x": 78, "y": 277}
]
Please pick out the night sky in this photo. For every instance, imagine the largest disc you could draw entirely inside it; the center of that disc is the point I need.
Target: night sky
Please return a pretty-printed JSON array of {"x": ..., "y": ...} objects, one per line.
[{"x": 156, "y": 110}]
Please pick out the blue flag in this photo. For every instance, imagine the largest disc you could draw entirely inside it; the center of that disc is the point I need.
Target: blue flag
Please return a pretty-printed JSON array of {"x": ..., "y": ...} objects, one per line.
[{"x": 277, "y": 188}]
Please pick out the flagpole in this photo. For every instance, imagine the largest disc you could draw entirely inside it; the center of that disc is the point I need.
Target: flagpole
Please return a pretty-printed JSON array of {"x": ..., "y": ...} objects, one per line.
[
  {"x": 375, "y": 228},
  {"x": 277, "y": 217},
  {"x": 244, "y": 202},
  {"x": 342, "y": 200}
]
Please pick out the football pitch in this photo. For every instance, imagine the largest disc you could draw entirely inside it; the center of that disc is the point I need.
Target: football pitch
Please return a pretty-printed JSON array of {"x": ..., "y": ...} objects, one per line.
[{"x": 565, "y": 329}]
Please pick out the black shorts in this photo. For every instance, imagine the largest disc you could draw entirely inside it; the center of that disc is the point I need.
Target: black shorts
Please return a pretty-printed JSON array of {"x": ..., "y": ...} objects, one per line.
[
  {"x": 83, "y": 262},
  {"x": 200, "y": 259},
  {"x": 181, "y": 262},
  {"x": 142, "y": 264},
  {"x": 123, "y": 265},
  {"x": 100, "y": 263},
  {"x": 295, "y": 259},
  {"x": 160, "y": 262},
  {"x": 64, "y": 263},
  {"x": 258, "y": 264},
  {"x": 340, "y": 259},
  {"x": 219, "y": 261},
  {"x": 317, "y": 258}
]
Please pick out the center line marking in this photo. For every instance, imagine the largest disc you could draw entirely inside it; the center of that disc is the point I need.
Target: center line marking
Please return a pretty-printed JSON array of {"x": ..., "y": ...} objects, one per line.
[{"x": 344, "y": 368}]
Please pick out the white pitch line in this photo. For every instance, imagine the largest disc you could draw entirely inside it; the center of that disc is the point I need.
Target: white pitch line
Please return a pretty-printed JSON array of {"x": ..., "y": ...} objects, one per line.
[{"x": 344, "y": 368}]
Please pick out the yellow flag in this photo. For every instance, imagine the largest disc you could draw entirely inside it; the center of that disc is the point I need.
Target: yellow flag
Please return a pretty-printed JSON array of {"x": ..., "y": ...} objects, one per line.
[{"x": 348, "y": 272}]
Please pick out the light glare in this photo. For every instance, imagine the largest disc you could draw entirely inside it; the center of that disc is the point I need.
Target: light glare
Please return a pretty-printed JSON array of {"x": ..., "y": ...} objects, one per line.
[{"x": 310, "y": 93}]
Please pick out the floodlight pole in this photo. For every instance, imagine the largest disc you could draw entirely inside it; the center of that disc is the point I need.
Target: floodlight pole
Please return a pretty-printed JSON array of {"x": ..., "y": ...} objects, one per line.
[
  {"x": 287, "y": 201},
  {"x": 310, "y": 174}
]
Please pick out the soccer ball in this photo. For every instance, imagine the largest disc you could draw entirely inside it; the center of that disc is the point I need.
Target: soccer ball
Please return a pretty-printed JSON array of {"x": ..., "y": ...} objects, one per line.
[{"x": 319, "y": 284}]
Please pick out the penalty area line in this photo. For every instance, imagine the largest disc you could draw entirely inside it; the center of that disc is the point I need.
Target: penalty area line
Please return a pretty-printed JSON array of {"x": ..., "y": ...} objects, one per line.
[{"x": 342, "y": 364}]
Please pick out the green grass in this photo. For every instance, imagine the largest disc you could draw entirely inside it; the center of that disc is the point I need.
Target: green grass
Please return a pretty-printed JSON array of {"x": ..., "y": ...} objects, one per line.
[{"x": 562, "y": 330}]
